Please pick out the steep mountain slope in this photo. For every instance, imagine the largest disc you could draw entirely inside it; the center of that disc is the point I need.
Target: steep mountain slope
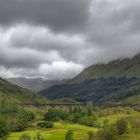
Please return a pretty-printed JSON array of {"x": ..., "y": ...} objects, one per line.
[
  {"x": 98, "y": 90},
  {"x": 18, "y": 94},
  {"x": 126, "y": 67},
  {"x": 117, "y": 81},
  {"x": 34, "y": 84}
]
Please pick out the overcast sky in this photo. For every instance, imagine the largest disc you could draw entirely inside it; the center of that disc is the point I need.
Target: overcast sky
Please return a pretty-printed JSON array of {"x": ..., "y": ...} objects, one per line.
[{"x": 56, "y": 39}]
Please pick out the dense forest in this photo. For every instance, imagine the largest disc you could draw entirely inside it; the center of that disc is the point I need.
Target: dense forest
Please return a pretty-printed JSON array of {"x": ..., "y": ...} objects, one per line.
[{"x": 121, "y": 89}]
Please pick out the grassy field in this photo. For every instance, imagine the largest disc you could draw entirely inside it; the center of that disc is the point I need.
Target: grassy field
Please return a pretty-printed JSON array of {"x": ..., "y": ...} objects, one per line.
[
  {"x": 56, "y": 133},
  {"x": 133, "y": 117},
  {"x": 80, "y": 131}
]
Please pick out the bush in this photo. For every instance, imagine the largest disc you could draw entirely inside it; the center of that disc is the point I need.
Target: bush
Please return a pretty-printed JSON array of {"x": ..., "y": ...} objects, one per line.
[
  {"x": 105, "y": 123},
  {"x": 16, "y": 118},
  {"x": 89, "y": 108},
  {"x": 135, "y": 123},
  {"x": 45, "y": 124},
  {"x": 109, "y": 133},
  {"x": 20, "y": 120},
  {"x": 76, "y": 117},
  {"x": 91, "y": 135},
  {"x": 55, "y": 115},
  {"x": 121, "y": 126},
  {"x": 69, "y": 135},
  {"x": 88, "y": 121}
]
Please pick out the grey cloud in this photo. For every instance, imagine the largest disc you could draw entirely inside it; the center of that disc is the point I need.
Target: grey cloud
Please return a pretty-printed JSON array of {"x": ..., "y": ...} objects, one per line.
[
  {"x": 59, "y": 15},
  {"x": 58, "y": 38},
  {"x": 113, "y": 21},
  {"x": 24, "y": 58},
  {"x": 42, "y": 39}
]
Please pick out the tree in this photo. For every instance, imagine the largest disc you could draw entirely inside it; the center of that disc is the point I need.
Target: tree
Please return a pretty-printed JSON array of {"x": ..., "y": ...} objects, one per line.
[
  {"x": 109, "y": 133},
  {"x": 3, "y": 127},
  {"x": 89, "y": 108},
  {"x": 88, "y": 121},
  {"x": 121, "y": 126},
  {"x": 69, "y": 135}
]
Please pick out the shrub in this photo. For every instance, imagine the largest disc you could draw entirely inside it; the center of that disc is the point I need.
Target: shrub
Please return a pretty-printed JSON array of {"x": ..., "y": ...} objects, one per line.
[
  {"x": 21, "y": 120},
  {"x": 128, "y": 112},
  {"x": 14, "y": 118},
  {"x": 105, "y": 123},
  {"x": 109, "y": 133},
  {"x": 76, "y": 117},
  {"x": 89, "y": 108},
  {"x": 121, "y": 126},
  {"x": 45, "y": 124},
  {"x": 55, "y": 115},
  {"x": 69, "y": 135},
  {"x": 91, "y": 135},
  {"x": 135, "y": 123},
  {"x": 88, "y": 121}
]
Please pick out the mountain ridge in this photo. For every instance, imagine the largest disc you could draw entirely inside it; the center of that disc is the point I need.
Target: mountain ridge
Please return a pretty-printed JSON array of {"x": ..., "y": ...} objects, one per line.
[
  {"x": 117, "y": 81},
  {"x": 34, "y": 84},
  {"x": 19, "y": 94},
  {"x": 129, "y": 67}
]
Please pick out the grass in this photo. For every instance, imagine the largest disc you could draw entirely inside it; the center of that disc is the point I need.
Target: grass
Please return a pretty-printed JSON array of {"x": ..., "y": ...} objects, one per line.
[
  {"x": 80, "y": 131},
  {"x": 133, "y": 132},
  {"x": 56, "y": 133}
]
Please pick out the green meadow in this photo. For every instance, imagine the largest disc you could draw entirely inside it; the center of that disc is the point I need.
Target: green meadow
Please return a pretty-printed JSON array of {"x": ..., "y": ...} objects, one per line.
[
  {"x": 83, "y": 123},
  {"x": 81, "y": 131},
  {"x": 56, "y": 133}
]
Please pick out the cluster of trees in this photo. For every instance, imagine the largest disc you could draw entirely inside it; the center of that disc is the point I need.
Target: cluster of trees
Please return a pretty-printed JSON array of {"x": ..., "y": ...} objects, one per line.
[
  {"x": 107, "y": 133},
  {"x": 110, "y": 132},
  {"x": 13, "y": 118},
  {"x": 85, "y": 116},
  {"x": 98, "y": 90},
  {"x": 79, "y": 115},
  {"x": 55, "y": 115}
]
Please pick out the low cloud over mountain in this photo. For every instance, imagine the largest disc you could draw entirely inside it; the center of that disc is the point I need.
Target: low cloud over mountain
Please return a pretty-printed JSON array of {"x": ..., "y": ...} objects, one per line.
[{"x": 56, "y": 39}]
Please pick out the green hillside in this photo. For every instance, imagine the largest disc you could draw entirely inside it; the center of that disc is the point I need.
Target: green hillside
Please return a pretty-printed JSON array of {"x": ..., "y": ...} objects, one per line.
[
  {"x": 126, "y": 90},
  {"x": 18, "y": 94},
  {"x": 126, "y": 67},
  {"x": 117, "y": 81}
]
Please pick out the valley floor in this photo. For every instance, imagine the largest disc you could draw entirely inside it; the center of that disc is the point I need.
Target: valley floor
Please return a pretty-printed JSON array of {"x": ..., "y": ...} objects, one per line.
[
  {"x": 81, "y": 131},
  {"x": 56, "y": 133}
]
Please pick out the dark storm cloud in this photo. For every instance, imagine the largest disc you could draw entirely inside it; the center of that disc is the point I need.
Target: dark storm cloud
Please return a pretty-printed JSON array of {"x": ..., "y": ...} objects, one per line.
[
  {"x": 58, "y": 38},
  {"x": 59, "y": 15},
  {"x": 113, "y": 21}
]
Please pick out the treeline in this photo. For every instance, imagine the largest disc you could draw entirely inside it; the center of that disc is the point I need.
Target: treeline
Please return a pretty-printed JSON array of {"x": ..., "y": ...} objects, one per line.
[
  {"x": 111, "y": 132},
  {"x": 80, "y": 115},
  {"x": 97, "y": 90}
]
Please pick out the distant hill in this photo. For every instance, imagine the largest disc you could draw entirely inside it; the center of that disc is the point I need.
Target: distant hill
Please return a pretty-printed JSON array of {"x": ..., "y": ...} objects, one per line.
[
  {"x": 117, "y": 81},
  {"x": 129, "y": 67},
  {"x": 34, "y": 84},
  {"x": 19, "y": 94}
]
